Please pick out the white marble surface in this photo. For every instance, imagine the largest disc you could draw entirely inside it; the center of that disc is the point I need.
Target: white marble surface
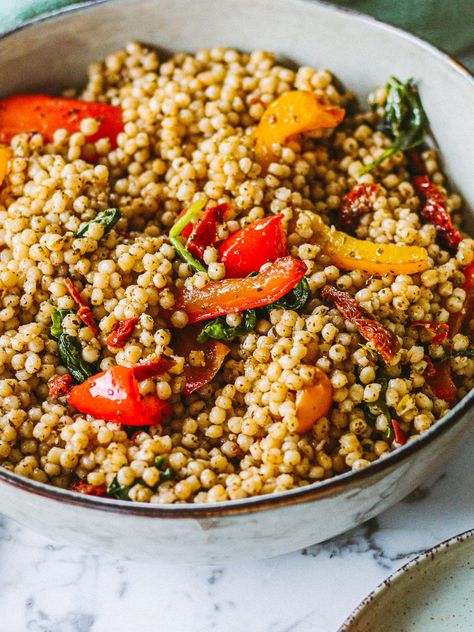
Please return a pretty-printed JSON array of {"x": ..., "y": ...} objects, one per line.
[{"x": 49, "y": 587}]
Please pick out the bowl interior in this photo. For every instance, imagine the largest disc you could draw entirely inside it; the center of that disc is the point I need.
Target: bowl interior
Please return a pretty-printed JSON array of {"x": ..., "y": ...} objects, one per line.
[{"x": 52, "y": 53}]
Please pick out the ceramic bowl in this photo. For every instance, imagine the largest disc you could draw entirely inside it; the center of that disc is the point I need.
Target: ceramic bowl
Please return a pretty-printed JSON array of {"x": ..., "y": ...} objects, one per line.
[
  {"x": 54, "y": 51},
  {"x": 432, "y": 592}
]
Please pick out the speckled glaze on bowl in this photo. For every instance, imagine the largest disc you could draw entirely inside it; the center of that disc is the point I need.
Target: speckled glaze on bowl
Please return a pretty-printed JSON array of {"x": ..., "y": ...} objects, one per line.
[
  {"x": 432, "y": 593},
  {"x": 53, "y": 52}
]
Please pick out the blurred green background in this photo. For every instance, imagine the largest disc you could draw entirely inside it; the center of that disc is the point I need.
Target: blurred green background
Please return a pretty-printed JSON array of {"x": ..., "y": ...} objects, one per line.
[{"x": 446, "y": 23}]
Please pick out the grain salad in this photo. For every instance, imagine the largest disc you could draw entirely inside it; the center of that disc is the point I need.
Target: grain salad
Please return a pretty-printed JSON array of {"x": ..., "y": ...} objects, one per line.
[{"x": 220, "y": 278}]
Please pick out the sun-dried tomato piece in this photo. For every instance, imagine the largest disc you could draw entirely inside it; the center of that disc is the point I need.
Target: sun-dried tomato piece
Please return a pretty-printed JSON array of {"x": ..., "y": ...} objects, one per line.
[
  {"x": 400, "y": 435},
  {"x": 430, "y": 370},
  {"x": 85, "y": 312},
  {"x": 89, "y": 490},
  {"x": 205, "y": 231},
  {"x": 440, "y": 331},
  {"x": 384, "y": 340},
  {"x": 121, "y": 332},
  {"x": 435, "y": 209},
  {"x": 59, "y": 385},
  {"x": 357, "y": 202}
]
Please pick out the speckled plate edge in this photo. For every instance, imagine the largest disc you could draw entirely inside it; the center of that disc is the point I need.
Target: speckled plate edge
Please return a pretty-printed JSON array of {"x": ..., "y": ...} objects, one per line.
[
  {"x": 293, "y": 496},
  {"x": 399, "y": 575}
]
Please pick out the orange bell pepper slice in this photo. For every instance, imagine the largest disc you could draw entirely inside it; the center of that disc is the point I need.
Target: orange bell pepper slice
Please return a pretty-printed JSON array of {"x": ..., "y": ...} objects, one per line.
[
  {"x": 313, "y": 402},
  {"x": 292, "y": 113},
  {"x": 350, "y": 253},
  {"x": 5, "y": 154},
  {"x": 44, "y": 114},
  {"x": 230, "y": 296}
]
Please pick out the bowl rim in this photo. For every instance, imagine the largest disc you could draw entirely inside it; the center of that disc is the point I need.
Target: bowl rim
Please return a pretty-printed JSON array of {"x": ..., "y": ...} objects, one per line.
[
  {"x": 385, "y": 585},
  {"x": 307, "y": 493}
]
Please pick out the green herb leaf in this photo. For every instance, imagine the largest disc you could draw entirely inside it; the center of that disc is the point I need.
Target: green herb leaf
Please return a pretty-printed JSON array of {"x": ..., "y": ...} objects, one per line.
[
  {"x": 467, "y": 353},
  {"x": 107, "y": 218},
  {"x": 176, "y": 231},
  {"x": 405, "y": 119},
  {"x": 218, "y": 328},
  {"x": 167, "y": 475},
  {"x": 295, "y": 299},
  {"x": 379, "y": 407},
  {"x": 159, "y": 462},
  {"x": 56, "y": 319},
  {"x": 70, "y": 352},
  {"x": 115, "y": 489}
]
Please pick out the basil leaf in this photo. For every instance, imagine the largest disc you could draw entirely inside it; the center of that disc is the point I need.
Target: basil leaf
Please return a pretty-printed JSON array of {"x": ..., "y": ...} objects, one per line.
[
  {"x": 295, "y": 299},
  {"x": 404, "y": 120},
  {"x": 56, "y": 319},
  {"x": 218, "y": 328},
  {"x": 115, "y": 489},
  {"x": 107, "y": 218},
  {"x": 70, "y": 352},
  {"x": 467, "y": 353}
]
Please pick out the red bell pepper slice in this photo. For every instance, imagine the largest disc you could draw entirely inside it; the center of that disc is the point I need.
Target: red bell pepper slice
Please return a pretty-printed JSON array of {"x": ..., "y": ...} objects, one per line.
[
  {"x": 435, "y": 209},
  {"x": 113, "y": 395},
  {"x": 250, "y": 247},
  {"x": 89, "y": 490},
  {"x": 215, "y": 352},
  {"x": 205, "y": 231},
  {"x": 59, "y": 385},
  {"x": 459, "y": 322},
  {"x": 121, "y": 332},
  {"x": 45, "y": 114},
  {"x": 400, "y": 435},
  {"x": 230, "y": 296},
  {"x": 84, "y": 312}
]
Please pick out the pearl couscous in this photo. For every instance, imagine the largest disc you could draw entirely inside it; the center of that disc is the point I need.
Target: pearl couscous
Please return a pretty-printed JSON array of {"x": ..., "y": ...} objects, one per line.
[{"x": 95, "y": 274}]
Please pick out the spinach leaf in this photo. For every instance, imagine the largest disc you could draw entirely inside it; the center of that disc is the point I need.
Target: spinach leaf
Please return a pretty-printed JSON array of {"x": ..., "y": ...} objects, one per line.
[
  {"x": 218, "y": 328},
  {"x": 405, "y": 119},
  {"x": 70, "y": 352},
  {"x": 115, "y": 489},
  {"x": 295, "y": 299},
  {"x": 107, "y": 218},
  {"x": 57, "y": 318},
  {"x": 467, "y": 353}
]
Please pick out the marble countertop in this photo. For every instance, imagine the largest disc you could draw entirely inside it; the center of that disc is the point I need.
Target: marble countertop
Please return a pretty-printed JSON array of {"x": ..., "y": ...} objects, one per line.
[{"x": 50, "y": 587}]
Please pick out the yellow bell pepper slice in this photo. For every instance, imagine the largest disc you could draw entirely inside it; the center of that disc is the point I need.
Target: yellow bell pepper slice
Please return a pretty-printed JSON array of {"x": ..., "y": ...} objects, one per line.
[
  {"x": 4, "y": 158},
  {"x": 350, "y": 253},
  {"x": 292, "y": 113}
]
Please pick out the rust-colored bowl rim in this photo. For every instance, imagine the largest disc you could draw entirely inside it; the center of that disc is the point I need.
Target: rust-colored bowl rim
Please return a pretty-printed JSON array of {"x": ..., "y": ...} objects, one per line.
[
  {"x": 308, "y": 493},
  {"x": 359, "y": 611}
]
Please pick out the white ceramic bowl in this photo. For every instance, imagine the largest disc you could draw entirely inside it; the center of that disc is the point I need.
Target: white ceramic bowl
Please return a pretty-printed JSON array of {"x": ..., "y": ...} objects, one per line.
[{"x": 53, "y": 52}]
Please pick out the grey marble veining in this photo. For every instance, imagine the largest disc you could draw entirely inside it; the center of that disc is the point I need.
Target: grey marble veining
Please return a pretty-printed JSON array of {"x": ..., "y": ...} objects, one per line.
[{"x": 50, "y": 587}]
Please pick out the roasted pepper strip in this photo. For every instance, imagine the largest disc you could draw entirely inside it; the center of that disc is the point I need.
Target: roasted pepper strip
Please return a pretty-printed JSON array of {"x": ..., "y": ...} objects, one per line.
[
  {"x": 384, "y": 340},
  {"x": 350, "y": 253},
  {"x": 313, "y": 402},
  {"x": 230, "y": 296},
  {"x": 89, "y": 490},
  {"x": 84, "y": 312},
  {"x": 121, "y": 332},
  {"x": 292, "y": 113},
  {"x": 44, "y": 114},
  {"x": 114, "y": 395},
  {"x": 214, "y": 352},
  {"x": 459, "y": 322},
  {"x": 205, "y": 231},
  {"x": 440, "y": 331},
  {"x": 442, "y": 383},
  {"x": 435, "y": 209},
  {"x": 400, "y": 435},
  {"x": 356, "y": 202},
  {"x": 253, "y": 245},
  {"x": 5, "y": 154}
]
